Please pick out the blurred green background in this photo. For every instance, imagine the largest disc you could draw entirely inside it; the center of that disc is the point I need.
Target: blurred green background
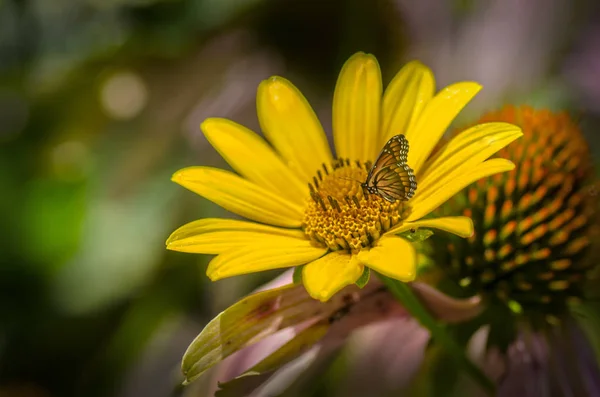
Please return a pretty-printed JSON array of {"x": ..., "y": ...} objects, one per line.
[{"x": 100, "y": 102}]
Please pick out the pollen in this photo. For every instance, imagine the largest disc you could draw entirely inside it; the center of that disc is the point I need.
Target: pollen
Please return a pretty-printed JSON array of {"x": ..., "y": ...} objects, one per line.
[{"x": 340, "y": 215}]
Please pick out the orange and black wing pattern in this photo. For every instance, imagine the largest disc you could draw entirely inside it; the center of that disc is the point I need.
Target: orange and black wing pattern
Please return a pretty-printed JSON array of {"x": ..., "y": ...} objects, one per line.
[{"x": 391, "y": 177}]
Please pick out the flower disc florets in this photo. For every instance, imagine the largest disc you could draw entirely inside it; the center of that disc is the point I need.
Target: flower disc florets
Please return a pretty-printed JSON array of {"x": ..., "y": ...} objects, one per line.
[
  {"x": 535, "y": 225},
  {"x": 341, "y": 216}
]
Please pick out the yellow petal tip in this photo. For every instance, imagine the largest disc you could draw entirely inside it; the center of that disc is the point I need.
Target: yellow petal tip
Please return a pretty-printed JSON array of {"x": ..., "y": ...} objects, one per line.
[
  {"x": 419, "y": 68},
  {"x": 189, "y": 174},
  {"x": 177, "y": 177},
  {"x": 275, "y": 79},
  {"x": 277, "y": 91},
  {"x": 416, "y": 63},
  {"x": 362, "y": 60},
  {"x": 321, "y": 295},
  {"x": 361, "y": 54},
  {"x": 213, "y": 275},
  {"x": 357, "y": 54},
  {"x": 410, "y": 276},
  {"x": 470, "y": 88},
  {"x": 207, "y": 125},
  {"x": 170, "y": 244},
  {"x": 519, "y": 132},
  {"x": 273, "y": 82},
  {"x": 471, "y": 229},
  {"x": 407, "y": 277}
]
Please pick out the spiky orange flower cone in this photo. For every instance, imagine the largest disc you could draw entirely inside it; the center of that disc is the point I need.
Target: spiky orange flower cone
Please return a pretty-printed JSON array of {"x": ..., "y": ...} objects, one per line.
[
  {"x": 531, "y": 259},
  {"x": 534, "y": 225}
]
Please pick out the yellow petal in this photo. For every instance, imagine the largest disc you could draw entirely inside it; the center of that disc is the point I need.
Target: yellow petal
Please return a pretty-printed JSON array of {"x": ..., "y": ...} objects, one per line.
[
  {"x": 465, "y": 152},
  {"x": 291, "y": 125},
  {"x": 393, "y": 257},
  {"x": 460, "y": 225},
  {"x": 274, "y": 252},
  {"x": 253, "y": 158},
  {"x": 357, "y": 108},
  {"x": 405, "y": 98},
  {"x": 215, "y": 236},
  {"x": 329, "y": 274},
  {"x": 435, "y": 119},
  {"x": 423, "y": 204},
  {"x": 240, "y": 196}
]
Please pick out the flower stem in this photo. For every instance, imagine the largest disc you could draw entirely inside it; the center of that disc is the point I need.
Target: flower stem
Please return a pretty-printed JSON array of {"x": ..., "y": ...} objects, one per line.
[{"x": 411, "y": 303}]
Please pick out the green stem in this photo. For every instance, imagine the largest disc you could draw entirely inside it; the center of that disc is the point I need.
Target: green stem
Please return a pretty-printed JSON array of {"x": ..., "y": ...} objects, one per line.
[{"x": 413, "y": 305}]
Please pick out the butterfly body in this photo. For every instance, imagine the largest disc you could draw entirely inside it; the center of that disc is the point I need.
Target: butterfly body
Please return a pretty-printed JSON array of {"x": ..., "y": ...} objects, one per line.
[{"x": 391, "y": 177}]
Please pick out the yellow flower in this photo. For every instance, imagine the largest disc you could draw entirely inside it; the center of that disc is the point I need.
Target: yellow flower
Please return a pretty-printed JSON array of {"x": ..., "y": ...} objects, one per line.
[{"x": 333, "y": 226}]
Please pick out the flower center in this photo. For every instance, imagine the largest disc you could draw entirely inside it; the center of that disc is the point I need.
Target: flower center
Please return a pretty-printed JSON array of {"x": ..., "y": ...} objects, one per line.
[
  {"x": 536, "y": 225},
  {"x": 341, "y": 215}
]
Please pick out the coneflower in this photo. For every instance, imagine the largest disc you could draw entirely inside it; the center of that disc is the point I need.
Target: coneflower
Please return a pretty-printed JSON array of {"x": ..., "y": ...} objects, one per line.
[{"x": 532, "y": 255}]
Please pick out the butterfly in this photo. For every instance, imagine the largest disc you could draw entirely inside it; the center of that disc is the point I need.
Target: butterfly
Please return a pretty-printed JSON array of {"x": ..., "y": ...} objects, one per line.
[{"x": 390, "y": 177}]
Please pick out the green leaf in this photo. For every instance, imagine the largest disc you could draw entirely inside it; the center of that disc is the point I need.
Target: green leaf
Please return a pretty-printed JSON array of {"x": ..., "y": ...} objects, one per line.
[
  {"x": 416, "y": 235},
  {"x": 297, "y": 277},
  {"x": 364, "y": 278},
  {"x": 439, "y": 334}
]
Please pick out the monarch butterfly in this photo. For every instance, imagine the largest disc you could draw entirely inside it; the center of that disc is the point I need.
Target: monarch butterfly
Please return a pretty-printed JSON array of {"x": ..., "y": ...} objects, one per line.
[{"x": 390, "y": 177}]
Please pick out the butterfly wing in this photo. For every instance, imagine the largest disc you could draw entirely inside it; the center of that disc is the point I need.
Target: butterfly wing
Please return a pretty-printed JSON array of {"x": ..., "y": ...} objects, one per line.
[{"x": 391, "y": 177}]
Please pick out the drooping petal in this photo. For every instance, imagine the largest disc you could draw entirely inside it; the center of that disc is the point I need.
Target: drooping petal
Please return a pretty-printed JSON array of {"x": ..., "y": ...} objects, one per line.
[
  {"x": 291, "y": 350},
  {"x": 274, "y": 252},
  {"x": 240, "y": 196},
  {"x": 329, "y": 274},
  {"x": 215, "y": 236},
  {"x": 253, "y": 158},
  {"x": 393, "y": 257},
  {"x": 435, "y": 119},
  {"x": 405, "y": 98},
  {"x": 424, "y": 204},
  {"x": 465, "y": 152},
  {"x": 460, "y": 225},
  {"x": 445, "y": 307},
  {"x": 269, "y": 312},
  {"x": 384, "y": 357},
  {"x": 357, "y": 108},
  {"x": 291, "y": 125},
  {"x": 369, "y": 305},
  {"x": 245, "y": 323}
]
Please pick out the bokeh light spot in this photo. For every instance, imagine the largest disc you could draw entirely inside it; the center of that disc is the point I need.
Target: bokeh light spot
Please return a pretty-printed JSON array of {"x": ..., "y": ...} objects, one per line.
[{"x": 123, "y": 95}]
